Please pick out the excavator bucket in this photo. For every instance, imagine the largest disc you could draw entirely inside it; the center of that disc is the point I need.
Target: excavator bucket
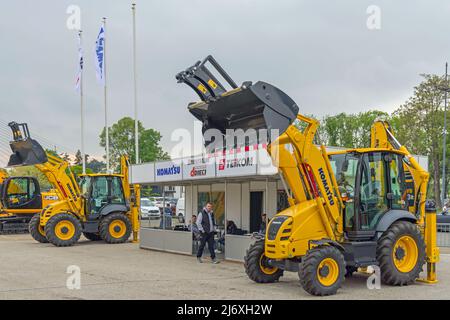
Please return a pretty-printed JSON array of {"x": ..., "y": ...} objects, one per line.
[
  {"x": 251, "y": 106},
  {"x": 26, "y": 151}
]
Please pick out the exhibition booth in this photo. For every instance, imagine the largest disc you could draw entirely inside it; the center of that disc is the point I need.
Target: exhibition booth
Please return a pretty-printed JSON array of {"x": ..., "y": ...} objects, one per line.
[{"x": 241, "y": 183}]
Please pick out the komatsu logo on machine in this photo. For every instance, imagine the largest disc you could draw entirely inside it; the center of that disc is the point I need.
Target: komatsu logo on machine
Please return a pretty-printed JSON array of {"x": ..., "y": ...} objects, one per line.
[{"x": 326, "y": 186}]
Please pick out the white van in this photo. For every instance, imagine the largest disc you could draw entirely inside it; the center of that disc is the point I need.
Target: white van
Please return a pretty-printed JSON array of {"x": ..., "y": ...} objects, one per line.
[{"x": 181, "y": 209}]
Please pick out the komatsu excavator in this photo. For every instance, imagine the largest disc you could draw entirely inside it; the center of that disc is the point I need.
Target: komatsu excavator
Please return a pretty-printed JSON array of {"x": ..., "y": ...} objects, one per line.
[
  {"x": 102, "y": 207},
  {"x": 20, "y": 199},
  {"x": 348, "y": 210}
]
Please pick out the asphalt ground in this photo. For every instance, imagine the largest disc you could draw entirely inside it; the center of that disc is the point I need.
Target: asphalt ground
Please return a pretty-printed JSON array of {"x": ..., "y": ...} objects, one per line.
[{"x": 31, "y": 270}]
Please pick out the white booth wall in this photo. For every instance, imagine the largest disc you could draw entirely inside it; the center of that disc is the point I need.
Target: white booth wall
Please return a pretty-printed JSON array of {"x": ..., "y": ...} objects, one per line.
[{"x": 237, "y": 199}]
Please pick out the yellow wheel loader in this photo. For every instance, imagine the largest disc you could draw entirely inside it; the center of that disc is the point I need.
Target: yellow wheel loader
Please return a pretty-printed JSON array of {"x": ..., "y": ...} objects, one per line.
[
  {"x": 20, "y": 199},
  {"x": 102, "y": 207},
  {"x": 347, "y": 210}
]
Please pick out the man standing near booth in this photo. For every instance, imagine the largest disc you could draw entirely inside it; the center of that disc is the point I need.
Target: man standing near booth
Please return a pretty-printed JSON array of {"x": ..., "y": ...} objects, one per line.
[{"x": 206, "y": 225}]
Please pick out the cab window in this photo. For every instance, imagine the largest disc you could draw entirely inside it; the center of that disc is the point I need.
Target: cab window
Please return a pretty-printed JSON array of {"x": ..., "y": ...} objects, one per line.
[
  {"x": 99, "y": 194},
  {"x": 372, "y": 197},
  {"x": 345, "y": 167},
  {"x": 398, "y": 185},
  {"x": 85, "y": 184},
  {"x": 20, "y": 191},
  {"x": 117, "y": 196},
  {"x": 106, "y": 190}
]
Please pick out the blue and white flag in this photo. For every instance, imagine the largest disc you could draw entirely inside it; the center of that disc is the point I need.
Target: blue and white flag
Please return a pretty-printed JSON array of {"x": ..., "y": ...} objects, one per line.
[
  {"x": 80, "y": 65},
  {"x": 100, "y": 56}
]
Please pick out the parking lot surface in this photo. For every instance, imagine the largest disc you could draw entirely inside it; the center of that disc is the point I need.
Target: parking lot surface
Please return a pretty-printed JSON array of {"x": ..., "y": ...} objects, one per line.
[{"x": 31, "y": 270}]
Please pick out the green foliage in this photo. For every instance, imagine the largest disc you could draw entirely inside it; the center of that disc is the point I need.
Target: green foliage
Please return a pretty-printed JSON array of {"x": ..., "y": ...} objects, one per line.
[
  {"x": 350, "y": 130},
  {"x": 79, "y": 158},
  {"x": 419, "y": 124},
  {"x": 146, "y": 191},
  {"x": 96, "y": 166},
  {"x": 78, "y": 169},
  {"x": 121, "y": 138},
  {"x": 30, "y": 171}
]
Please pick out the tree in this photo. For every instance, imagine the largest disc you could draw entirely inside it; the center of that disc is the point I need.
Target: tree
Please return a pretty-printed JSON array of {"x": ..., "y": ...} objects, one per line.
[
  {"x": 419, "y": 125},
  {"x": 350, "y": 130},
  {"x": 79, "y": 158},
  {"x": 31, "y": 171},
  {"x": 96, "y": 166},
  {"x": 78, "y": 169},
  {"x": 65, "y": 157},
  {"x": 146, "y": 191},
  {"x": 121, "y": 139}
]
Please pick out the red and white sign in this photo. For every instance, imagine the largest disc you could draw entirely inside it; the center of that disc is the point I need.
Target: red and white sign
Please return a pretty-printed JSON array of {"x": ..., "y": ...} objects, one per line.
[
  {"x": 240, "y": 164},
  {"x": 199, "y": 168}
]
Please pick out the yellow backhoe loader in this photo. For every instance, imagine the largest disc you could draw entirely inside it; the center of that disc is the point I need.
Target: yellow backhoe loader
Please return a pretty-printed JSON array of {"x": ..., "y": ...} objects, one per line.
[
  {"x": 20, "y": 200},
  {"x": 102, "y": 206},
  {"x": 349, "y": 209}
]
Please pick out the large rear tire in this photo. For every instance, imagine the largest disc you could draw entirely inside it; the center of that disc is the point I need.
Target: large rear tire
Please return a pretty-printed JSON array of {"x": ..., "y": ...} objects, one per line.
[
  {"x": 256, "y": 267},
  {"x": 401, "y": 254},
  {"x": 322, "y": 271},
  {"x": 63, "y": 230},
  {"x": 36, "y": 230},
  {"x": 115, "y": 228}
]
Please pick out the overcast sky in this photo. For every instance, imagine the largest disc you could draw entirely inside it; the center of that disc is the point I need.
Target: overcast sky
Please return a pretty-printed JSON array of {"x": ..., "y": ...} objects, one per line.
[{"x": 319, "y": 52}]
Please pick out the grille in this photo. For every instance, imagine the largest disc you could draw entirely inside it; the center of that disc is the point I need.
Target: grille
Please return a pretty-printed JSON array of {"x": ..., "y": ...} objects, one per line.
[{"x": 275, "y": 225}]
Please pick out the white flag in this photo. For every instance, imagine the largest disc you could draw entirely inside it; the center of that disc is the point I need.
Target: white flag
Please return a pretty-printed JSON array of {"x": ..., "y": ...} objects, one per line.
[
  {"x": 80, "y": 65},
  {"x": 100, "y": 56}
]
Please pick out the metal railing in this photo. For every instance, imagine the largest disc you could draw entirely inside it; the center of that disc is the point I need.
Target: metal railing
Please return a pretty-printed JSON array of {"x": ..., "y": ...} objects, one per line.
[{"x": 443, "y": 235}]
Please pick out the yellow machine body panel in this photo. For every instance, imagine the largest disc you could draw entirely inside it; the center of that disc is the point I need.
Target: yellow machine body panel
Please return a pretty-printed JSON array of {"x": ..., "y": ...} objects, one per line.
[
  {"x": 292, "y": 239},
  {"x": 49, "y": 197}
]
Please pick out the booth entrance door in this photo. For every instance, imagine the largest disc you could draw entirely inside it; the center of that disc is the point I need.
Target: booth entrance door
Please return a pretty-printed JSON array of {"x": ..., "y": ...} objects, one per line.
[{"x": 256, "y": 209}]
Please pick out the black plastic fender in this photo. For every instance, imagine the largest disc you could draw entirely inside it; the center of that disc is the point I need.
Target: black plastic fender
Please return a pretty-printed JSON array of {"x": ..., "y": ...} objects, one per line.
[
  {"x": 392, "y": 216},
  {"x": 110, "y": 208}
]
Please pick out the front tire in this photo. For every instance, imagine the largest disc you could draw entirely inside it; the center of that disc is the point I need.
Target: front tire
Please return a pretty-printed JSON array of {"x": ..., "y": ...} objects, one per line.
[
  {"x": 256, "y": 266},
  {"x": 401, "y": 254},
  {"x": 36, "y": 230},
  {"x": 322, "y": 271},
  {"x": 115, "y": 228},
  {"x": 63, "y": 230}
]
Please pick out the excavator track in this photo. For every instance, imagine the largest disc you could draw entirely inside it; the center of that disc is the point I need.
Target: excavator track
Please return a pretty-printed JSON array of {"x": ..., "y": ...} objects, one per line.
[{"x": 13, "y": 225}]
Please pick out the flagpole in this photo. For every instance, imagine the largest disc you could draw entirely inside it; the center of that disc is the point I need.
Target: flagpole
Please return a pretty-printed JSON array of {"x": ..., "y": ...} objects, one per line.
[
  {"x": 83, "y": 155},
  {"x": 136, "y": 127},
  {"x": 105, "y": 96}
]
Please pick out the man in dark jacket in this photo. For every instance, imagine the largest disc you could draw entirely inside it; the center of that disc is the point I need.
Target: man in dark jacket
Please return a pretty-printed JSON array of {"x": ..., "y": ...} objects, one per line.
[{"x": 206, "y": 225}]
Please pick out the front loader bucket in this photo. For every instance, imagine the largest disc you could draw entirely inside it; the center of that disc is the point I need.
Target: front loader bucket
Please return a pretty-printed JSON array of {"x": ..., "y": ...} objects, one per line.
[
  {"x": 258, "y": 106},
  {"x": 26, "y": 151},
  {"x": 251, "y": 106}
]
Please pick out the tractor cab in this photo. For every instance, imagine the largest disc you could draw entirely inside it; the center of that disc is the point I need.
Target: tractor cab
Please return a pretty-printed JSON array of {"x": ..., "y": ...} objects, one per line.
[
  {"x": 371, "y": 184},
  {"x": 21, "y": 193},
  {"x": 101, "y": 193}
]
